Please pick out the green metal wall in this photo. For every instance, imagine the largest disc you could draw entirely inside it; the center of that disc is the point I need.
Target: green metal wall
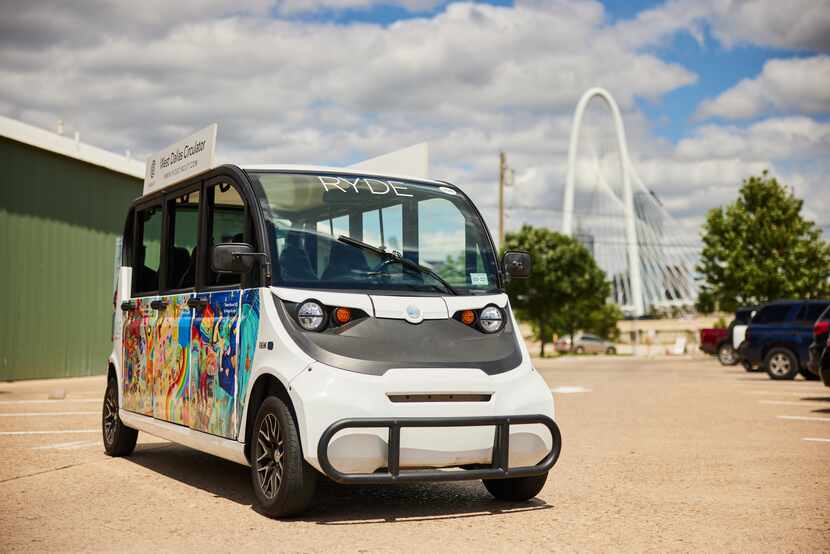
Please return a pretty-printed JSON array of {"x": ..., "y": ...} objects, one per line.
[{"x": 59, "y": 219}]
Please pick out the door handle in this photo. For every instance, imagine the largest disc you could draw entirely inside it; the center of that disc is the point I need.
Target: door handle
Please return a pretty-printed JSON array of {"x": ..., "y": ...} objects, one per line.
[
  {"x": 127, "y": 305},
  {"x": 196, "y": 303},
  {"x": 158, "y": 304}
]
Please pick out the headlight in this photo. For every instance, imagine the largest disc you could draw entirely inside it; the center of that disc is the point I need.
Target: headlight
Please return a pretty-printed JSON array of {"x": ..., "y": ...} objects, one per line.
[
  {"x": 491, "y": 319},
  {"x": 311, "y": 316}
]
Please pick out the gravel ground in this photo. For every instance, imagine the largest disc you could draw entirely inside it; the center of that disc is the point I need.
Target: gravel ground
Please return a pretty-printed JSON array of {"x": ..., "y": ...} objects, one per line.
[{"x": 659, "y": 455}]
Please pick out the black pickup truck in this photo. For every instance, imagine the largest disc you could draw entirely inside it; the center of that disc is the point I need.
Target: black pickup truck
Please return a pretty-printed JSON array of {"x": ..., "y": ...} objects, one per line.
[{"x": 779, "y": 337}]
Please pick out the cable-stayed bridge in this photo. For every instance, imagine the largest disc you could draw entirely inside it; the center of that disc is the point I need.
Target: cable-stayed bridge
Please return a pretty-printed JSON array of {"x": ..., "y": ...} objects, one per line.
[{"x": 632, "y": 236}]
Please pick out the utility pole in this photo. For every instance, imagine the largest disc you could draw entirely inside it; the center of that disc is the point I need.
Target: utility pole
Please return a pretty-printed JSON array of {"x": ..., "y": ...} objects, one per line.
[{"x": 502, "y": 175}]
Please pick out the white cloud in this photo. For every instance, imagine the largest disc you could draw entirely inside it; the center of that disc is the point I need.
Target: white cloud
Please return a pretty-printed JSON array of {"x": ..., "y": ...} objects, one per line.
[
  {"x": 472, "y": 80},
  {"x": 794, "y": 24},
  {"x": 798, "y": 85},
  {"x": 309, "y": 6}
]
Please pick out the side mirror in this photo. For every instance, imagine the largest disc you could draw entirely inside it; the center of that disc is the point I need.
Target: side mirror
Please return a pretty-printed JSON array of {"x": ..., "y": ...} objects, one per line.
[
  {"x": 234, "y": 257},
  {"x": 516, "y": 264}
]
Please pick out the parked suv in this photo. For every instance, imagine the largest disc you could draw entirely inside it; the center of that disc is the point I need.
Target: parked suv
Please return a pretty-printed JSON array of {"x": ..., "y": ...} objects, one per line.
[
  {"x": 821, "y": 332},
  {"x": 779, "y": 337}
]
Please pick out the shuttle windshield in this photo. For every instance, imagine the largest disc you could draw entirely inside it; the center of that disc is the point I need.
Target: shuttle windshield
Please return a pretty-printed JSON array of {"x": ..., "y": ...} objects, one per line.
[{"x": 355, "y": 232}]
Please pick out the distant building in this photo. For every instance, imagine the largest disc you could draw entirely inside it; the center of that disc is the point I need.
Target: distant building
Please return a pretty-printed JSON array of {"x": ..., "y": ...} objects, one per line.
[{"x": 62, "y": 206}]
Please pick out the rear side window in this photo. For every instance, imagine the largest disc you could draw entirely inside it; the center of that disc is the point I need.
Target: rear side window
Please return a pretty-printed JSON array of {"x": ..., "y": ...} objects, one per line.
[
  {"x": 811, "y": 312},
  {"x": 773, "y": 314},
  {"x": 184, "y": 226},
  {"x": 148, "y": 254}
]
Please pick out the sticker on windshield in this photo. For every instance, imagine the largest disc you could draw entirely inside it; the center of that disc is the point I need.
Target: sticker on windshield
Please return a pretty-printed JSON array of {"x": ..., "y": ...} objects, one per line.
[
  {"x": 447, "y": 190},
  {"x": 478, "y": 279}
]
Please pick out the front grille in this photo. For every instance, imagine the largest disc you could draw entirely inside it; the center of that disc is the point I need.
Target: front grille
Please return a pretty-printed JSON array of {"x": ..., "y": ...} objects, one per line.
[{"x": 440, "y": 397}]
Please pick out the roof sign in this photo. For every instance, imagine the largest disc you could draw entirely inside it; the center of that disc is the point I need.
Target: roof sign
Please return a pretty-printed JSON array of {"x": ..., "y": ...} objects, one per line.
[{"x": 190, "y": 156}]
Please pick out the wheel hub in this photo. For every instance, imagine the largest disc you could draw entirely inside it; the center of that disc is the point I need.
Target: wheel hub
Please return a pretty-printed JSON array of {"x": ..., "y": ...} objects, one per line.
[
  {"x": 269, "y": 452},
  {"x": 779, "y": 364},
  {"x": 110, "y": 415}
]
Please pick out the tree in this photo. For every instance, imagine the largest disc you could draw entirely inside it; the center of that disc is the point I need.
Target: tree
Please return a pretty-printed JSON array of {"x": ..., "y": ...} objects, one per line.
[
  {"x": 603, "y": 322},
  {"x": 565, "y": 287},
  {"x": 761, "y": 248}
]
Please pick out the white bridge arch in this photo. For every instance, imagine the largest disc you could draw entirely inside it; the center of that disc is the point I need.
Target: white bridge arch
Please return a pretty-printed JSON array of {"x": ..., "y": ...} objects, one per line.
[{"x": 657, "y": 266}]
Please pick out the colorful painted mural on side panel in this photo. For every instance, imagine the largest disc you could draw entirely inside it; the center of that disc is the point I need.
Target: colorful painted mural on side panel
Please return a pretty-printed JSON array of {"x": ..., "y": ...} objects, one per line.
[
  {"x": 136, "y": 377},
  {"x": 248, "y": 334},
  {"x": 213, "y": 363},
  {"x": 171, "y": 398}
]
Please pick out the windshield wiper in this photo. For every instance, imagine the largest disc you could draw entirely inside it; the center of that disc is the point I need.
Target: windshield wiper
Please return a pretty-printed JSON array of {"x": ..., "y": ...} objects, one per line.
[{"x": 392, "y": 256}]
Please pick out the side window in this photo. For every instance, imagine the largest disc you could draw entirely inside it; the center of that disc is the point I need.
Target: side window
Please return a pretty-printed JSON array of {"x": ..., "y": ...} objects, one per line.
[
  {"x": 147, "y": 255},
  {"x": 184, "y": 227},
  {"x": 773, "y": 314},
  {"x": 226, "y": 223}
]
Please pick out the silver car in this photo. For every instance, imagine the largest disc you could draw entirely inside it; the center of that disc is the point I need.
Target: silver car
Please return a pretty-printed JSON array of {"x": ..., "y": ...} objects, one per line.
[{"x": 585, "y": 343}]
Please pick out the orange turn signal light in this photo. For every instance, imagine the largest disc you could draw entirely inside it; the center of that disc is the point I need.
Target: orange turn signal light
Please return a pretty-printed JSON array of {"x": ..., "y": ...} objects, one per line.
[
  {"x": 342, "y": 315},
  {"x": 468, "y": 317}
]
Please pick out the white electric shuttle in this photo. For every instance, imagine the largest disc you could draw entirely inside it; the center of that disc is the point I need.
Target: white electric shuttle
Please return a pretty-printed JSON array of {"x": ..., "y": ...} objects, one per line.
[{"x": 306, "y": 321}]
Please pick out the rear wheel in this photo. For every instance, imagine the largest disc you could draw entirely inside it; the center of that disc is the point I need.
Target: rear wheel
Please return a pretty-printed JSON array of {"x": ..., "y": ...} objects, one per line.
[
  {"x": 119, "y": 440},
  {"x": 517, "y": 489},
  {"x": 282, "y": 480},
  {"x": 781, "y": 364},
  {"x": 727, "y": 354},
  {"x": 579, "y": 350},
  {"x": 610, "y": 350}
]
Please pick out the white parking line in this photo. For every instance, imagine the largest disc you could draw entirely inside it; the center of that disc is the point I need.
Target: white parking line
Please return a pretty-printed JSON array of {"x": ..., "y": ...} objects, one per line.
[
  {"x": 74, "y": 445},
  {"x": 794, "y": 403},
  {"x": 36, "y": 414},
  {"x": 783, "y": 393},
  {"x": 570, "y": 390},
  {"x": 815, "y": 439},
  {"x": 804, "y": 418},
  {"x": 60, "y": 432},
  {"x": 99, "y": 400}
]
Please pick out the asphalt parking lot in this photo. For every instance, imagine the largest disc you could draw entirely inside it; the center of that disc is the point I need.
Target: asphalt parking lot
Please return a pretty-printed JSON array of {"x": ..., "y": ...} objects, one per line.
[{"x": 659, "y": 455}]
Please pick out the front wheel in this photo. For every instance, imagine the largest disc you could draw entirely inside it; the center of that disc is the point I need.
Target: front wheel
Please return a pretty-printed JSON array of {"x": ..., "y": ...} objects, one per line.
[
  {"x": 119, "y": 440},
  {"x": 611, "y": 351},
  {"x": 727, "y": 354},
  {"x": 781, "y": 364},
  {"x": 517, "y": 489},
  {"x": 282, "y": 480}
]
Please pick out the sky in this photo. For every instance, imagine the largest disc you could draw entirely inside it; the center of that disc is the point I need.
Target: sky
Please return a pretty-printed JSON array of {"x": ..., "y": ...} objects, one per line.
[{"x": 711, "y": 91}]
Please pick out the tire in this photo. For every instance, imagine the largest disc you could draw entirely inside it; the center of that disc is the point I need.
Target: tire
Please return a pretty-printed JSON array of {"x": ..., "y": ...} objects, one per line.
[
  {"x": 781, "y": 364},
  {"x": 283, "y": 485},
  {"x": 727, "y": 355},
  {"x": 517, "y": 489},
  {"x": 119, "y": 440},
  {"x": 808, "y": 375},
  {"x": 611, "y": 351},
  {"x": 579, "y": 350}
]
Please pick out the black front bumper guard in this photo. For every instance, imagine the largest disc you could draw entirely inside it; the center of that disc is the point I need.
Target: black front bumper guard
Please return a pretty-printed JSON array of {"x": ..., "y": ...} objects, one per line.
[{"x": 499, "y": 468}]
